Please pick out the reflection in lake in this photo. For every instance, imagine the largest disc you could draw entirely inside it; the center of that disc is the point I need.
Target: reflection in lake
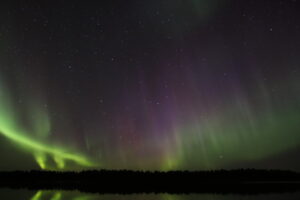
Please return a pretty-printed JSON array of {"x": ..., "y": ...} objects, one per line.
[{"x": 75, "y": 195}]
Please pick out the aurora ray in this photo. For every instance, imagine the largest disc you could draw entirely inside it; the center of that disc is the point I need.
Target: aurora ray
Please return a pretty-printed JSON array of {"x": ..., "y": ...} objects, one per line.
[
  {"x": 152, "y": 85},
  {"x": 10, "y": 129}
]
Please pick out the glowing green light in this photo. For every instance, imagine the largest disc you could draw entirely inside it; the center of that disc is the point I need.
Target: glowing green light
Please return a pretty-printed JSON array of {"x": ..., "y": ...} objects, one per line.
[
  {"x": 58, "y": 154},
  {"x": 56, "y": 196},
  {"x": 59, "y": 162},
  {"x": 220, "y": 141},
  {"x": 83, "y": 198},
  {"x": 41, "y": 160},
  {"x": 10, "y": 128},
  {"x": 37, "y": 196}
]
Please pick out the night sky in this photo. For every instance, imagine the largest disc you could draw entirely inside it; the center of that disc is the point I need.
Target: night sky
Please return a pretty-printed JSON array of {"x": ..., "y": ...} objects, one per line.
[{"x": 150, "y": 85}]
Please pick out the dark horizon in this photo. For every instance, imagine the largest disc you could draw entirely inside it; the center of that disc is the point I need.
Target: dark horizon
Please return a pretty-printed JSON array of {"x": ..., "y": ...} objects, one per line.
[{"x": 242, "y": 181}]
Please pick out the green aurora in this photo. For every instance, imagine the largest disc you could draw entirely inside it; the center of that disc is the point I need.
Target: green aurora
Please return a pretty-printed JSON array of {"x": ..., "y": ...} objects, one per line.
[
  {"x": 11, "y": 129},
  {"x": 156, "y": 85}
]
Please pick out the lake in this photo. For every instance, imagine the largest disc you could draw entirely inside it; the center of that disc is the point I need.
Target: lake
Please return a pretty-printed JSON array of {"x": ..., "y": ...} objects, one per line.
[{"x": 11, "y": 194}]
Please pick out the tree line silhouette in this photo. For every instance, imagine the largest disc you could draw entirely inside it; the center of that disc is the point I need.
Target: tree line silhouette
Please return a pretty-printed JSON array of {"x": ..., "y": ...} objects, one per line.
[{"x": 242, "y": 181}]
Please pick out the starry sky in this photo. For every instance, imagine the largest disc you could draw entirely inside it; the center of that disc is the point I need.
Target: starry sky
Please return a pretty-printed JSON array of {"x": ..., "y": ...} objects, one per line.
[{"x": 150, "y": 85}]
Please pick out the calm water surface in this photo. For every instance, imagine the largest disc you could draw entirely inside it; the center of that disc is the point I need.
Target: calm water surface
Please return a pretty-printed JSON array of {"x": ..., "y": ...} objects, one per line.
[{"x": 9, "y": 194}]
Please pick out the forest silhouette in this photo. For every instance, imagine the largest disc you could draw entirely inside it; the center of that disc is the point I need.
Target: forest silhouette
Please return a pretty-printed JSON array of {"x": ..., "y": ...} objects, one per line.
[{"x": 241, "y": 181}]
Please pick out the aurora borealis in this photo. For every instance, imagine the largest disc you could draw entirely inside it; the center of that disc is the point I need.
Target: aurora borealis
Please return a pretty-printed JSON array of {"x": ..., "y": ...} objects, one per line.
[
  {"x": 150, "y": 85},
  {"x": 10, "y": 129}
]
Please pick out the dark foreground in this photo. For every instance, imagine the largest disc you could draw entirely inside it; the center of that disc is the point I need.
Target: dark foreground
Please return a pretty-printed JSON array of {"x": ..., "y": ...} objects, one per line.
[{"x": 104, "y": 181}]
